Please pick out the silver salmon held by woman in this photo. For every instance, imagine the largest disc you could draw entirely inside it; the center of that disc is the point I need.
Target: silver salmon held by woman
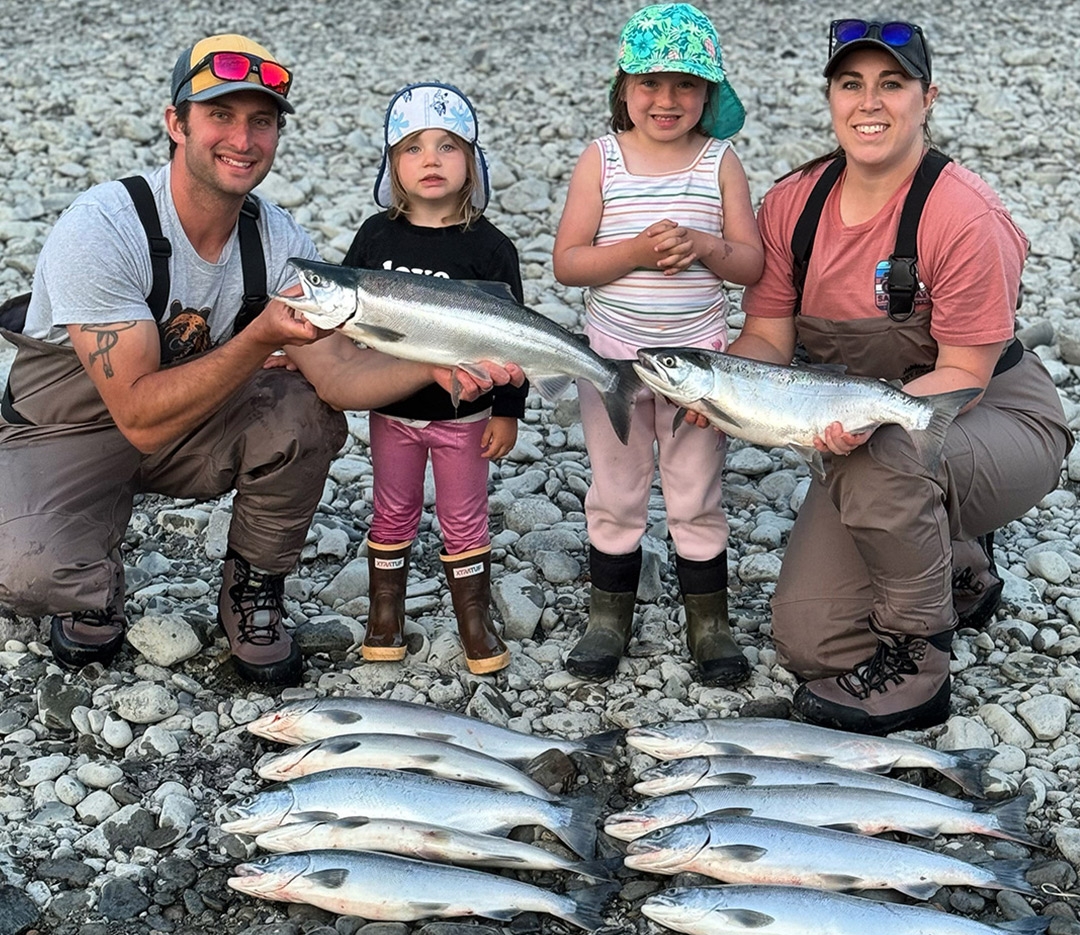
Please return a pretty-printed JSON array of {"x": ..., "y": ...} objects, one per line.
[
  {"x": 318, "y": 718},
  {"x": 426, "y": 842},
  {"x": 789, "y": 406},
  {"x": 383, "y": 887},
  {"x": 395, "y": 751},
  {"x": 387, "y": 793},
  {"x": 797, "y": 740},
  {"x": 737, "y": 909},
  {"x": 865, "y": 811},
  {"x": 702, "y": 772},
  {"x": 457, "y": 323},
  {"x": 762, "y": 850}
]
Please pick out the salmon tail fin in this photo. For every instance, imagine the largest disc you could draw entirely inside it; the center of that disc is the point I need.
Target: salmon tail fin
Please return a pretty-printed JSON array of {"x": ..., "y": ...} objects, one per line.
[
  {"x": 600, "y": 745},
  {"x": 1009, "y": 819},
  {"x": 930, "y": 441},
  {"x": 577, "y": 824},
  {"x": 1029, "y": 925},
  {"x": 1009, "y": 875},
  {"x": 619, "y": 400},
  {"x": 598, "y": 869},
  {"x": 589, "y": 903},
  {"x": 967, "y": 769}
]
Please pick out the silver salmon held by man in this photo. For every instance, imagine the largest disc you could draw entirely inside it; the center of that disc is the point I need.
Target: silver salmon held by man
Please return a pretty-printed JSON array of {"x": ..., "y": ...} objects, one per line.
[
  {"x": 789, "y": 406},
  {"x": 386, "y": 793},
  {"x": 384, "y": 887},
  {"x": 865, "y": 811},
  {"x": 762, "y": 850},
  {"x": 797, "y": 740},
  {"x": 318, "y": 718},
  {"x": 456, "y": 323},
  {"x": 737, "y": 909}
]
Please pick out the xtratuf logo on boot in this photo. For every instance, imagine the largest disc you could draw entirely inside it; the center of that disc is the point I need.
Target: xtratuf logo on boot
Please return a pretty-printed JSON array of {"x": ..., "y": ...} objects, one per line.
[
  {"x": 467, "y": 571},
  {"x": 389, "y": 563}
]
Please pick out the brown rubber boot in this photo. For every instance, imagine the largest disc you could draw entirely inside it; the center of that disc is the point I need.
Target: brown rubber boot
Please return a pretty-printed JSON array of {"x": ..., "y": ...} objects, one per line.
[
  {"x": 976, "y": 587},
  {"x": 905, "y": 685},
  {"x": 252, "y": 614},
  {"x": 708, "y": 629},
  {"x": 611, "y": 614},
  {"x": 388, "y": 571},
  {"x": 469, "y": 577}
]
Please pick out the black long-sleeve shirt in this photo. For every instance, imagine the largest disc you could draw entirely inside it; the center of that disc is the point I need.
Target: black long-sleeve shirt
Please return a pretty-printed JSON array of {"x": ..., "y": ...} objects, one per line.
[{"x": 482, "y": 252}]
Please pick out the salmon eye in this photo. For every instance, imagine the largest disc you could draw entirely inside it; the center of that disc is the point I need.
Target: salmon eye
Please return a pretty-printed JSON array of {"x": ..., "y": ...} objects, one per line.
[
  {"x": 668, "y": 361},
  {"x": 315, "y": 279}
]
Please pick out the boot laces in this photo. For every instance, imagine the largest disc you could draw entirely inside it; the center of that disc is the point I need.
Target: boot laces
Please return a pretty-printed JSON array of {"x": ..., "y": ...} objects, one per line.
[
  {"x": 964, "y": 579},
  {"x": 889, "y": 664},
  {"x": 257, "y": 599},
  {"x": 95, "y": 618}
]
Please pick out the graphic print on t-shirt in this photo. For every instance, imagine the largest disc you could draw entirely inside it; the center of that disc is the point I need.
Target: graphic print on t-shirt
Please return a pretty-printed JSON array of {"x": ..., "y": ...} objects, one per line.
[
  {"x": 881, "y": 288},
  {"x": 389, "y": 265},
  {"x": 185, "y": 332}
]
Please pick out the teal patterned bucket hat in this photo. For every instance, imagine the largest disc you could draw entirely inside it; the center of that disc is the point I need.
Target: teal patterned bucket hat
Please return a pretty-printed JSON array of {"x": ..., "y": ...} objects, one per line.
[
  {"x": 679, "y": 37},
  {"x": 425, "y": 106}
]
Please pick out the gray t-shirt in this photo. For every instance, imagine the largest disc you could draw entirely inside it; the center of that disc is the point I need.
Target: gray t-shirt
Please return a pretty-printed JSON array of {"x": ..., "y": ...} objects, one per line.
[{"x": 95, "y": 269}]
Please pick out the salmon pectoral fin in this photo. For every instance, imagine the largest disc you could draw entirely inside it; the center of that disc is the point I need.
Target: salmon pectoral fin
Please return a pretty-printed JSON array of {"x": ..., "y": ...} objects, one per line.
[
  {"x": 746, "y": 918},
  {"x": 551, "y": 386},
  {"x": 741, "y": 853},
  {"x": 331, "y": 879}
]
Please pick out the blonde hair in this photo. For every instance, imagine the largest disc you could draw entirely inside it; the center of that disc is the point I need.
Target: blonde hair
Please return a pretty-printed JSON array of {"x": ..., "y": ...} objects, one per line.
[{"x": 466, "y": 213}]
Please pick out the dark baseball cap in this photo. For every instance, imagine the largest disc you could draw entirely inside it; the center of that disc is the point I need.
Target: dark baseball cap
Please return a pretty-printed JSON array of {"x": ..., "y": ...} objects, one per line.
[{"x": 903, "y": 41}]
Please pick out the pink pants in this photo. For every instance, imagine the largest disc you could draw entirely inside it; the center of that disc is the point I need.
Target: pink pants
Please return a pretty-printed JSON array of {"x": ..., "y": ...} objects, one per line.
[
  {"x": 399, "y": 454},
  {"x": 691, "y": 465}
]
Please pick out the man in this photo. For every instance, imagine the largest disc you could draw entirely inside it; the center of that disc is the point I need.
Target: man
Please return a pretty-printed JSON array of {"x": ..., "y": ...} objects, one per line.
[{"x": 93, "y": 415}]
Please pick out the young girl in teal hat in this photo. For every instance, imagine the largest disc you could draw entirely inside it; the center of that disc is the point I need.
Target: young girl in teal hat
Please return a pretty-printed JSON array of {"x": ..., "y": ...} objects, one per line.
[{"x": 657, "y": 217}]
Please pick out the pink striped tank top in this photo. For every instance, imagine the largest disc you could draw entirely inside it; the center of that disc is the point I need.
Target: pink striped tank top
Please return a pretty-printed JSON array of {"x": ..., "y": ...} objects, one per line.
[{"x": 645, "y": 306}]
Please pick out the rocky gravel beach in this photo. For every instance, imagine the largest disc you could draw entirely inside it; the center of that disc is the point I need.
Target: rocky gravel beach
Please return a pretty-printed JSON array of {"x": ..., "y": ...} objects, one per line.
[{"x": 110, "y": 779}]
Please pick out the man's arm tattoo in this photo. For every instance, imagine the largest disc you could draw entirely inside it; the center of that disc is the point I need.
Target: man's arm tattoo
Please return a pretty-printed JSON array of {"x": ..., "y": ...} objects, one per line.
[{"x": 107, "y": 336}]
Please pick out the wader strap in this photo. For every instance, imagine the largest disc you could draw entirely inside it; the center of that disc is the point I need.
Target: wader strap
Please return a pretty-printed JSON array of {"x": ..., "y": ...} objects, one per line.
[
  {"x": 13, "y": 318},
  {"x": 253, "y": 264},
  {"x": 903, "y": 281},
  {"x": 1012, "y": 356},
  {"x": 160, "y": 248},
  {"x": 802, "y": 238}
]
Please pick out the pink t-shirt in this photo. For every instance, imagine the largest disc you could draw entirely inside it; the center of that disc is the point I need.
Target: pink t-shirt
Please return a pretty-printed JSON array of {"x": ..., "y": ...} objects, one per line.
[{"x": 970, "y": 257}]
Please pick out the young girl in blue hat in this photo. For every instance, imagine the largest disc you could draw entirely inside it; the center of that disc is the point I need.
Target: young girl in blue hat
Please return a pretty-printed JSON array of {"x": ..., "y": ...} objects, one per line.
[
  {"x": 657, "y": 217},
  {"x": 434, "y": 184}
]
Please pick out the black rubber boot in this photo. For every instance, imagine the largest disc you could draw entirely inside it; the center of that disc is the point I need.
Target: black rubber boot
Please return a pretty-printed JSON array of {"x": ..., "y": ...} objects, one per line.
[
  {"x": 611, "y": 614},
  {"x": 708, "y": 629}
]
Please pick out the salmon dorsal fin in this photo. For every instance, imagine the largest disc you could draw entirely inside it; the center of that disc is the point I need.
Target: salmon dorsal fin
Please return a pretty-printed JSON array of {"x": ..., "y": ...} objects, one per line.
[{"x": 498, "y": 289}]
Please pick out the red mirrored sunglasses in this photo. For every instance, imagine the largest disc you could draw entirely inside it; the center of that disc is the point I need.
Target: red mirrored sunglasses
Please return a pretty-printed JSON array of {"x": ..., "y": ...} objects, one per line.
[{"x": 236, "y": 66}]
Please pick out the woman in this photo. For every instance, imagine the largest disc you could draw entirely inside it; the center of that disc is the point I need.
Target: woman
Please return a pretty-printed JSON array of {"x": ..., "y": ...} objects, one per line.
[{"x": 864, "y": 608}]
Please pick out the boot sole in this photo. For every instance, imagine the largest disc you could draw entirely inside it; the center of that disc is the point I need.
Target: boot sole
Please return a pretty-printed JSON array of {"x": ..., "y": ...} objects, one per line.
[
  {"x": 382, "y": 653},
  {"x": 725, "y": 673},
  {"x": 827, "y": 713},
  {"x": 72, "y": 655},
  {"x": 490, "y": 664},
  {"x": 287, "y": 671}
]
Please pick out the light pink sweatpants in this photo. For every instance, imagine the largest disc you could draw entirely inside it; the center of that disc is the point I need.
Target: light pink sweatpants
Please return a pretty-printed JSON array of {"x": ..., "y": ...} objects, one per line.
[
  {"x": 399, "y": 454},
  {"x": 691, "y": 465}
]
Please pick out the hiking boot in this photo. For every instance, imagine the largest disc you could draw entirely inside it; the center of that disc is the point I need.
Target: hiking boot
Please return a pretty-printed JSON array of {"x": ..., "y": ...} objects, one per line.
[
  {"x": 251, "y": 612},
  {"x": 708, "y": 630},
  {"x": 976, "y": 587},
  {"x": 84, "y": 636},
  {"x": 903, "y": 686},
  {"x": 388, "y": 572},
  {"x": 708, "y": 634},
  {"x": 469, "y": 576}
]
